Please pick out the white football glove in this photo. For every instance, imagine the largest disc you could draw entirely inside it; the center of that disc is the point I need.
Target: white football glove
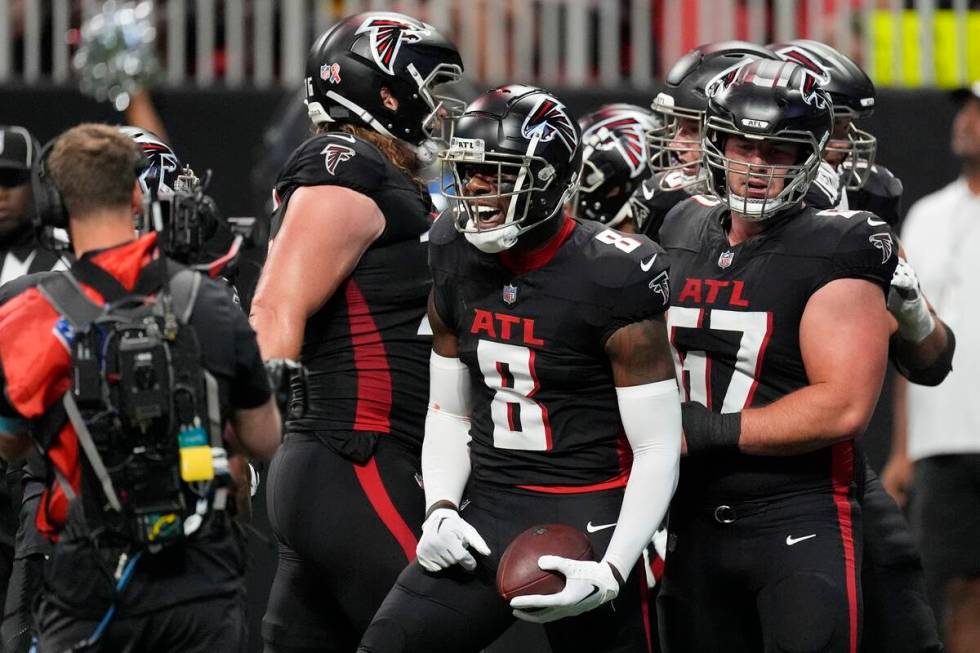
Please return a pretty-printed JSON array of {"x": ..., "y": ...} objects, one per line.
[
  {"x": 906, "y": 303},
  {"x": 587, "y": 586},
  {"x": 445, "y": 541}
]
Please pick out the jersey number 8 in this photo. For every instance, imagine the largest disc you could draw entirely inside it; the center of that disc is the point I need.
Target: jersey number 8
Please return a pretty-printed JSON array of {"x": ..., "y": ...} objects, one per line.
[{"x": 519, "y": 422}]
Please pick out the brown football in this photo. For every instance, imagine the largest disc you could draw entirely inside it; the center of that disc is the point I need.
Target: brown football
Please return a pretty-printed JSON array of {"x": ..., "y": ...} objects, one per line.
[{"x": 519, "y": 574}]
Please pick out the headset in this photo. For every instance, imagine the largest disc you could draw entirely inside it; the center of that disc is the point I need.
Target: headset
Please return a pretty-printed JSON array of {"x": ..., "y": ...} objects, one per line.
[
  {"x": 48, "y": 204},
  {"x": 50, "y": 212}
]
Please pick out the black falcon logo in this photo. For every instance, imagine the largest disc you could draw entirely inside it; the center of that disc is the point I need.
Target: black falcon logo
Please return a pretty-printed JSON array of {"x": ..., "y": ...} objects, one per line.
[
  {"x": 625, "y": 134},
  {"x": 387, "y": 33},
  {"x": 549, "y": 119},
  {"x": 884, "y": 243},
  {"x": 334, "y": 155}
]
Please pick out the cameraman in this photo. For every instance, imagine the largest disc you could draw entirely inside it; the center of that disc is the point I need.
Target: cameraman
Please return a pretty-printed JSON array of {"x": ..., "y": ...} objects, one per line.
[{"x": 189, "y": 596}]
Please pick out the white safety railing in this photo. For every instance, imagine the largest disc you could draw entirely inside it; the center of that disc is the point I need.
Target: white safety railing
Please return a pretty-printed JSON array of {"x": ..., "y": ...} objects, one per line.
[{"x": 578, "y": 43}]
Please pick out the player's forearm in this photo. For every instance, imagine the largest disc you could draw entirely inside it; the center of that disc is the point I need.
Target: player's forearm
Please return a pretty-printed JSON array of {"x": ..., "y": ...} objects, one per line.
[
  {"x": 279, "y": 332},
  {"x": 652, "y": 421},
  {"x": 807, "y": 419},
  {"x": 445, "y": 448},
  {"x": 900, "y": 418},
  {"x": 927, "y": 362}
]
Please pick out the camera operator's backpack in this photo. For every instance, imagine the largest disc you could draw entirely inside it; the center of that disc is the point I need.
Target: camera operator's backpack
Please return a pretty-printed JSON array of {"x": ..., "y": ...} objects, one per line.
[{"x": 145, "y": 411}]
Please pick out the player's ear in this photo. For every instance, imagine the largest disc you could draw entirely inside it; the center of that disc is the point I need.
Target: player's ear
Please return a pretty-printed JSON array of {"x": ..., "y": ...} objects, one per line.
[{"x": 389, "y": 100}]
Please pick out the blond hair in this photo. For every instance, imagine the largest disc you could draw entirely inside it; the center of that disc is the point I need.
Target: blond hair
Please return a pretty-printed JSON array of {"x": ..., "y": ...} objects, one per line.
[
  {"x": 396, "y": 151},
  {"x": 94, "y": 167}
]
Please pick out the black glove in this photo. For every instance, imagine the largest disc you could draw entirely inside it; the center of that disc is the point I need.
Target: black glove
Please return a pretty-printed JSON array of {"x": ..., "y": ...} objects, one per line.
[{"x": 282, "y": 373}]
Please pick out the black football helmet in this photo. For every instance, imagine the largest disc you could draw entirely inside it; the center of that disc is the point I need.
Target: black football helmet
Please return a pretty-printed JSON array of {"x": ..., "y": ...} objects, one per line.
[
  {"x": 686, "y": 97},
  {"x": 351, "y": 61},
  {"x": 853, "y": 95},
  {"x": 776, "y": 101},
  {"x": 614, "y": 161},
  {"x": 162, "y": 165},
  {"x": 524, "y": 139}
]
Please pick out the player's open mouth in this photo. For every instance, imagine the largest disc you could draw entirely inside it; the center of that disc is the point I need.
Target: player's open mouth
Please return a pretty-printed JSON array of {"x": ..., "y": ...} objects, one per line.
[{"x": 487, "y": 216}]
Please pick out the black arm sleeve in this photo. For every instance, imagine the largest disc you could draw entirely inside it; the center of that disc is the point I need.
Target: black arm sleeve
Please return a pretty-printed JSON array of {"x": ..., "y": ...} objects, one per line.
[
  {"x": 250, "y": 386},
  {"x": 934, "y": 374}
]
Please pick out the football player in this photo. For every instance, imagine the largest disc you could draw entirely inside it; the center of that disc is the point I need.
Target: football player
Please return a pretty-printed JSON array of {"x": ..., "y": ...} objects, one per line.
[
  {"x": 780, "y": 329},
  {"x": 552, "y": 395},
  {"x": 852, "y": 178},
  {"x": 675, "y": 146},
  {"x": 614, "y": 164},
  {"x": 344, "y": 291}
]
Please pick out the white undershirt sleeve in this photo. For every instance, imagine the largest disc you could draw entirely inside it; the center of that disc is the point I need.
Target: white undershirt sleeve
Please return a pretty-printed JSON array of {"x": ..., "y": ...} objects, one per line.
[
  {"x": 651, "y": 416},
  {"x": 445, "y": 448}
]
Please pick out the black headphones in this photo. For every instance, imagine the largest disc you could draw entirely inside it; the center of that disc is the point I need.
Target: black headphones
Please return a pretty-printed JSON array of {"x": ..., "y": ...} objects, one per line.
[{"x": 49, "y": 206}]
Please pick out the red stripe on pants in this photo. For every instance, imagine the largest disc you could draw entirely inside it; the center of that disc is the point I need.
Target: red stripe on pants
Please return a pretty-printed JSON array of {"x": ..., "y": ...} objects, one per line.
[
  {"x": 373, "y": 409},
  {"x": 842, "y": 455},
  {"x": 370, "y": 479}
]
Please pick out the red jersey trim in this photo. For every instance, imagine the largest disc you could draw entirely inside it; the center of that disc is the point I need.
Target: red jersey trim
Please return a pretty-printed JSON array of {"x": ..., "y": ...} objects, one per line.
[
  {"x": 617, "y": 481},
  {"x": 522, "y": 263},
  {"x": 373, "y": 411}
]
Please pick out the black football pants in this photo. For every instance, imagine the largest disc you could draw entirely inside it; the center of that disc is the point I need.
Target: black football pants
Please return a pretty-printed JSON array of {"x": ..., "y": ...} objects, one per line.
[
  {"x": 897, "y": 615},
  {"x": 778, "y": 576},
  {"x": 455, "y": 611},
  {"x": 345, "y": 532}
]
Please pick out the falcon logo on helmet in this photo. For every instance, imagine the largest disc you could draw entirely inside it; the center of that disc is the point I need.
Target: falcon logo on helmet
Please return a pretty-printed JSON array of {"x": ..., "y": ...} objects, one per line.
[
  {"x": 803, "y": 58},
  {"x": 882, "y": 241},
  {"x": 625, "y": 134},
  {"x": 387, "y": 34},
  {"x": 334, "y": 155},
  {"x": 549, "y": 119}
]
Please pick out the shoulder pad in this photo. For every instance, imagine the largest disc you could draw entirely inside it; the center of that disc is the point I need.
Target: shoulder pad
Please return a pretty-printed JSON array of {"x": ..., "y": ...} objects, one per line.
[
  {"x": 334, "y": 159},
  {"x": 631, "y": 273},
  {"x": 883, "y": 183},
  {"x": 859, "y": 244},
  {"x": 443, "y": 230}
]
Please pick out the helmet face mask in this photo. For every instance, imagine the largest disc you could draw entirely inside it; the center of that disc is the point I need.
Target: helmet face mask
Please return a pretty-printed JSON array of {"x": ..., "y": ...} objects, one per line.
[
  {"x": 514, "y": 160},
  {"x": 509, "y": 183},
  {"x": 675, "y": 148},
  {"x": 858, "y": 156},
  {"x": 778, "y": 112},
  {"x": 778, "y": 185}
]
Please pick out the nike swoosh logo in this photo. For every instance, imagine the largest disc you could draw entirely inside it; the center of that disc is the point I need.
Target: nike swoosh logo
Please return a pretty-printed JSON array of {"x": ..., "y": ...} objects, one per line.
[
  {"x": 648, "y": 196},
  {"x": 649, "y": 264},
  {"x": 790, "y": 540},
  {"x": 594, "y": 529},
  {"x": 876, "y": 223}
]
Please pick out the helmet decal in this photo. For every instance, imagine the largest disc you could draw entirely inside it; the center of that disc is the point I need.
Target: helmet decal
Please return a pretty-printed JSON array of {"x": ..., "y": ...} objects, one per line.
[
  {"x": 387, "y": 33},
  {"x": 625, "y": 134},
  {"x": 549, "y": 119},
  {"x": 334, "y": 155},
  {"x": 802, "y": 57}
]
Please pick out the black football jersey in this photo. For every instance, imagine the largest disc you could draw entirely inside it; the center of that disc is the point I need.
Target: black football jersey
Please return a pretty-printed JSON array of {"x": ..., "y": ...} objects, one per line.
[
  {"x": 650, "y": 204},
  {"x": 734, "y": 325},
  {"x": 367, "y": 348},
  {"x": 545, "y": 414}
]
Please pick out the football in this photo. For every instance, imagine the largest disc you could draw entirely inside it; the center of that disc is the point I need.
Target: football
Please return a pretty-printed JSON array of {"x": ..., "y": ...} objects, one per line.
[{"x": 519, "y": 574}]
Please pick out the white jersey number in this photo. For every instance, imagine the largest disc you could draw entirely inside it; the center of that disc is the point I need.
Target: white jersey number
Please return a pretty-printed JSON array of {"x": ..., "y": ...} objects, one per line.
[
  {"x": 519, "y": 422},
  {"x": 755, "y": 328}
]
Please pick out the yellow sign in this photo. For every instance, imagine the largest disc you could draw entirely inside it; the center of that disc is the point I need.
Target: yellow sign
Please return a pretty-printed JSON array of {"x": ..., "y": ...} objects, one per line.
[{"x": 897, "y": 41}]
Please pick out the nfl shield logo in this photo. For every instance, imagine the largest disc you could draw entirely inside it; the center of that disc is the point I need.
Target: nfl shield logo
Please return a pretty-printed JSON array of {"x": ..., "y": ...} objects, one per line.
[
  {"x": 726, "y": 259},
  {"x": 510, "y": 293},
  {"x": 325, "y": 72}
]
